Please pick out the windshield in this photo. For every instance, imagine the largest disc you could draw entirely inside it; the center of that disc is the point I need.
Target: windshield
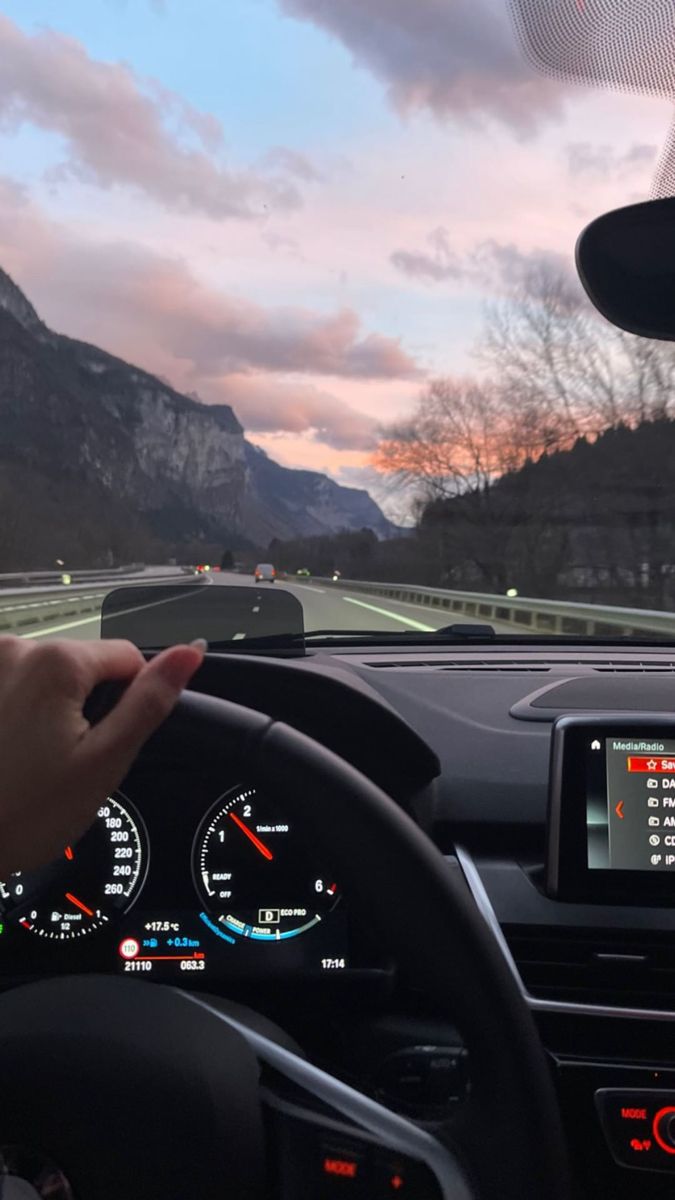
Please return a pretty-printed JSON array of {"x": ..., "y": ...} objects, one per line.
[{"x": 288, "y": 301}]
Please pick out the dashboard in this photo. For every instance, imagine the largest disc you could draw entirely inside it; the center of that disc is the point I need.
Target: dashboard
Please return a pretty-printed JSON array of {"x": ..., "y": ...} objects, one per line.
[{"x": 191, "y": 877}]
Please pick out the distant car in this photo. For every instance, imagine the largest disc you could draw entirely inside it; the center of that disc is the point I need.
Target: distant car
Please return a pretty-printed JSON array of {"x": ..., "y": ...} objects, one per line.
[
  {"x": 303, "y": 571},
  {"x": 264, "y": 573},
  {"x": 203, "y": 568}
]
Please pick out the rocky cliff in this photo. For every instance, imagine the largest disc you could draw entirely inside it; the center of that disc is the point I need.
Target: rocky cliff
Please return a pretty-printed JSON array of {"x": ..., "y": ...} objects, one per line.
[{"x": 73, "y": 416}]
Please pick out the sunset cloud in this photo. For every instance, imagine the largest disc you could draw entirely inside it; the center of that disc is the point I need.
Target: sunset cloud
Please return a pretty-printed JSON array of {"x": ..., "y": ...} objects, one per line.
[
  {"x": 122, "y": 130},
  {"x": 292, "y": 162},
  {"x": 602, "y": 160},
  {"x": 152, "y": 310},
  {"x": 435, "y": 265},
  {"x": 133, "y": 287},
  {"x": 490, "y": 264},
  {"x": 458, "y": 58},
  {"x": 275, "y": 406}
]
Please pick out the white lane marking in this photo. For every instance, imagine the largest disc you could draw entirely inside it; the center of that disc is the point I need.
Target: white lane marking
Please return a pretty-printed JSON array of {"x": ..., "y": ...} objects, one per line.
[
  {"x": 384, "y": 612},
  {"x": 76, "y": 599},
  {"x": 306, "y": 586},
  {"x": 61, "y": 628},
  {"x": 88, "y": 620}
]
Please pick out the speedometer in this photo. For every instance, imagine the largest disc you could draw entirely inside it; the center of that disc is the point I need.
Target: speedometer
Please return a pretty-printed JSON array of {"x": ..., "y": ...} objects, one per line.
[
  {"x": 255, "y": 872},
  {"x": 97, "y": 877}
]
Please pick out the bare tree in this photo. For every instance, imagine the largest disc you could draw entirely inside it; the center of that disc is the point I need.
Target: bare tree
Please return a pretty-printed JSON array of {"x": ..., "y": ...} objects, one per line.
[
  {"x": 459, "y": 439},
  {"x": 550, "y": 350}
]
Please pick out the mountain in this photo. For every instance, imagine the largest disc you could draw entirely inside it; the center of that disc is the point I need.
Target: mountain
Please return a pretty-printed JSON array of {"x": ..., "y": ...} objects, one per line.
[
  {"x": 304, "y": 503},
  {"x": 85, "y": 432}
]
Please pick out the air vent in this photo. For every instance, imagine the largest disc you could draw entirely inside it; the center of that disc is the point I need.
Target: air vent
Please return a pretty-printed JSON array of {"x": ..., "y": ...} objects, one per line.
[
  {"x": 526, "y": 665},
  {"x": 620, "y": 969},
  {"x": 529, "y": 665},
  {"x": 666, "y": 668}
]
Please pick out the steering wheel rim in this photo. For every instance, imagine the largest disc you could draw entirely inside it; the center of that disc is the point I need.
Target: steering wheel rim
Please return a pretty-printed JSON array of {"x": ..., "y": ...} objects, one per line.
[{"x": 508, "y": 1135}]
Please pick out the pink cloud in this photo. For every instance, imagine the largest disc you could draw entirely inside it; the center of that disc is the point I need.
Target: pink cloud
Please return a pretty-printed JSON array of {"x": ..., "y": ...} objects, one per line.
[
  {"x": 219, "y": 333},
  {"x": 116, "y": 130},
  {"x": 269, "y": 364},
  {"x": 299, "y": 408}
]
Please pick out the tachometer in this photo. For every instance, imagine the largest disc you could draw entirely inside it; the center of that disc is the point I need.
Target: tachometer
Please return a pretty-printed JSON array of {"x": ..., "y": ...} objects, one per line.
[
  {"x": 255, "y": 873},
  {"x": 96, "y": 878}
]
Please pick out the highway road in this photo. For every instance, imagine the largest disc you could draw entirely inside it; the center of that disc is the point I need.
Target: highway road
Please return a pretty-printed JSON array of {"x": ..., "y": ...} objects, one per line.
[{"x": 324, "y": 606}]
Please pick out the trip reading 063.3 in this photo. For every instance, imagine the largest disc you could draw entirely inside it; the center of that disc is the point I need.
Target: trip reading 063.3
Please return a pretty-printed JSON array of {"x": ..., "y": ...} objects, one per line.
[
  {"x": 255, "y": 871},
  {"x": 92, "y": 880}
]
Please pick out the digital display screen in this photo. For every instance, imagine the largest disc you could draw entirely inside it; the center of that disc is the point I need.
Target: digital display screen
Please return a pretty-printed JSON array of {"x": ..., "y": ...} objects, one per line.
[
  {"x": 180, "y": 879},
  {"x": 630, "y": 804},
  {"x": 611, "y": 820}
]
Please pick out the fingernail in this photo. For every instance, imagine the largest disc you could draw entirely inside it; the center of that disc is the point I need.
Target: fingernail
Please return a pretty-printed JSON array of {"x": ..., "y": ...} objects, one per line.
[{"x": 200, "y": 644}]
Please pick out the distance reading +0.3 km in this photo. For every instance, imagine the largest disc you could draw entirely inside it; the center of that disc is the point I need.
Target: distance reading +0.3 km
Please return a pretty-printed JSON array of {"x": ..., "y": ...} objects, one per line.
[
  {"x": 255, "y": 872},
  {"x": 93, "y": 880}
]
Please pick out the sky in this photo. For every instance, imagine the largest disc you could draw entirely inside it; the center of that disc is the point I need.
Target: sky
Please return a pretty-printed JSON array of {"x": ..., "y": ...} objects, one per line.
[{"x": 296, "y": 207}]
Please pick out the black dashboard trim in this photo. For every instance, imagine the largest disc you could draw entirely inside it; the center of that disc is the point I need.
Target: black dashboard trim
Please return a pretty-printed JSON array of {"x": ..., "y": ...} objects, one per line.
[
  {"x": 539, "y": 1004},
  {"x": 307, "y": 694}
]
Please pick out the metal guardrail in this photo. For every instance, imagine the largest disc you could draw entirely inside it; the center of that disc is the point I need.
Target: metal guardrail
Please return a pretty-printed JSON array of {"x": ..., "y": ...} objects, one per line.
[
  {"x": 25, "y": 608},
  {"x": 34, "y": 578},
  {"x": 525, "y": 614}
]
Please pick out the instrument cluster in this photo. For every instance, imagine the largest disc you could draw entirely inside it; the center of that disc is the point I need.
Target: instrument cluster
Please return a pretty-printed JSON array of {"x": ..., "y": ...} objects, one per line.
[{"x": 161, "y": 886}]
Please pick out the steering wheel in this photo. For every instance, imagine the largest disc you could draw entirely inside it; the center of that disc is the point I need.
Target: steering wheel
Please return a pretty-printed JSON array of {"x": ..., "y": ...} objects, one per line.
[{"x": 134, "y": 1090}]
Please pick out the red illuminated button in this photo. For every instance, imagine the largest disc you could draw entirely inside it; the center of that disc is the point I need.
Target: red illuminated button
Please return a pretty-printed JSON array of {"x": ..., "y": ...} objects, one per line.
[
  {"x": 646, "y": 765},
  {"x": 663, "y": 1128},
  {"x": 344, "y": 1170},
  {"x": 403, "y": 1179}
]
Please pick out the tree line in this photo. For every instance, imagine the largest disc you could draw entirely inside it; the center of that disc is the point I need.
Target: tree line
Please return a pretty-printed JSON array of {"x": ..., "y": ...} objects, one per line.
[{"x": 551, "y": 470}]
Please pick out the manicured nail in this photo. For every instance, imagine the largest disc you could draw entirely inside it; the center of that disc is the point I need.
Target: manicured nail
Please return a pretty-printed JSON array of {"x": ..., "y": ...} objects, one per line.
[{"x": 200, "y": 644}]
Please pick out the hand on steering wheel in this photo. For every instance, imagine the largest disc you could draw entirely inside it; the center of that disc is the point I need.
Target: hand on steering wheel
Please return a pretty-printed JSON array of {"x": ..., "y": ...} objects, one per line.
[
  {"x": 56, "y": 768},
  {"x": 146, "y": 1092}
]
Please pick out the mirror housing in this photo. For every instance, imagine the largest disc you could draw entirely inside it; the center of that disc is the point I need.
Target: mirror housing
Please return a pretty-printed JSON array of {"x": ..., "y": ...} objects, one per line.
[{"x": 626, "y": 263}]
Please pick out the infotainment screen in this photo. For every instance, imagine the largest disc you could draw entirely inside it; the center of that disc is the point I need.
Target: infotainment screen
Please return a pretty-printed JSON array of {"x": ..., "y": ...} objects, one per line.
[{"x": 611, "y": 829}]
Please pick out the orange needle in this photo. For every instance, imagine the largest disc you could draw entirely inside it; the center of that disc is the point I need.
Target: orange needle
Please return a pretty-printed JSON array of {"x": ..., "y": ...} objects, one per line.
[
  {"x": 69, "y": 853},
  {"x": 252, "y": 837},
  {"x": 78, "y": 904}
]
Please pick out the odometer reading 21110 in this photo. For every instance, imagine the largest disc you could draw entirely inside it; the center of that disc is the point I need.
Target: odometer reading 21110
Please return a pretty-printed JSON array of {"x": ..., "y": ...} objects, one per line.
[
  {"x": 93, "y": 879},
  {"x": 255, "y": 871}
]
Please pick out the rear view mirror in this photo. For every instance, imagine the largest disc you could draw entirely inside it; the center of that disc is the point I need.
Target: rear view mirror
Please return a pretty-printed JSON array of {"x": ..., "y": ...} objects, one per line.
[{"x": 626, "y": 263}]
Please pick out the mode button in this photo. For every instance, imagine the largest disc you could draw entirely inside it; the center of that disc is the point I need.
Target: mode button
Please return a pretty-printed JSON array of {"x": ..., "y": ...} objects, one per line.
[{"x": 639, "y": 1127}]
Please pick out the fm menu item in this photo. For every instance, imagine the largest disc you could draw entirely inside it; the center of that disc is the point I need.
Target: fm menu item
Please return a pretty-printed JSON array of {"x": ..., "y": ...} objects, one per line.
[{"x": 611, "y": 827}]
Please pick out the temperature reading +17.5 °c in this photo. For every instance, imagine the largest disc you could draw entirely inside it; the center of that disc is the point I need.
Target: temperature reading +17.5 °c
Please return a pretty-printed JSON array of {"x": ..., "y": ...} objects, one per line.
[
  {"x": 94, "y": 879},
  {"x": 161, "y": 946},
  {"x": 255, "y": 871}
]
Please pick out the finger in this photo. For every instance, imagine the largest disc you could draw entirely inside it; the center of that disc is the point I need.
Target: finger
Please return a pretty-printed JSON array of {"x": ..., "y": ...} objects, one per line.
[
  {"x": 147, "y": 702},
  {"x": 12, "y": 649},
  {"x": 62, "y": 671},
  {"x": 103, "y": 660}
]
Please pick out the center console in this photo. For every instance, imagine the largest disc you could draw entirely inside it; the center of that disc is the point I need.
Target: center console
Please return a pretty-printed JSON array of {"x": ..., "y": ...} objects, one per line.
[{"x": 590, "y": 937}]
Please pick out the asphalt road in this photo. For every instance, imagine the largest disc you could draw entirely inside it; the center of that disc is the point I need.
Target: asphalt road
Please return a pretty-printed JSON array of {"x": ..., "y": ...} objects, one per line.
[{"x": 324, "y": 606}]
